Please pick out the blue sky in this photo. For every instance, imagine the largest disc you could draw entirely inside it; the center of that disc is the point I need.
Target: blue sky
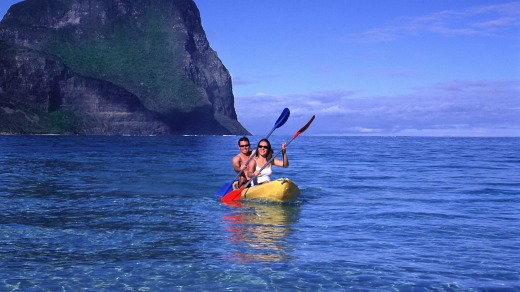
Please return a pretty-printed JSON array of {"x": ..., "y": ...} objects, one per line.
[{"x": 370, "y": 67}]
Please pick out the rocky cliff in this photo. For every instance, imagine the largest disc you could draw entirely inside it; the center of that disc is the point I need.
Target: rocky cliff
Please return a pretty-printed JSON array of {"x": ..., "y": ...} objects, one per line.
[{"x": 111, "y": 67}]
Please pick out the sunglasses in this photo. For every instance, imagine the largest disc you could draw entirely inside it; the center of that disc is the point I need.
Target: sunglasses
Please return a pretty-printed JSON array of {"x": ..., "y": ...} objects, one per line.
[
  {"x": 245, "y": 145},
  {"x": 262, "y": 146}
]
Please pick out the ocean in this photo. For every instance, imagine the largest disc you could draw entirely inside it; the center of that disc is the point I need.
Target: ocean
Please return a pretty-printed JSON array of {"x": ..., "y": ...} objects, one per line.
[{"x": 114, "y": 213}]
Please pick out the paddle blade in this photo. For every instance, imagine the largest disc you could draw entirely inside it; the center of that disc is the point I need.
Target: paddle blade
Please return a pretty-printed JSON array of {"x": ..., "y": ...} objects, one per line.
[
  {"x": 226, "y": 188},
  {"x": 304, "y": 127},
  {"x": 283, "y": 118},
  {"x": 233, "y": 195}
]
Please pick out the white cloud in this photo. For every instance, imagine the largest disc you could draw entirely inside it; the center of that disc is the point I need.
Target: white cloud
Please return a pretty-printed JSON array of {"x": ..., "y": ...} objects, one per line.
[{"x": 479, "y": 20}]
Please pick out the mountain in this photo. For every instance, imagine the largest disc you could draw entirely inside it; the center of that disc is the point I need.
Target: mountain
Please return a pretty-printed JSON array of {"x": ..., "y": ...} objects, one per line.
[{"x": 134, "y": 67}]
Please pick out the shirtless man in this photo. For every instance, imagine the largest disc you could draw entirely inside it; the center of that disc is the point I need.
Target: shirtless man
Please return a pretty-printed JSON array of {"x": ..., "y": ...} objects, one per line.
[{"x": 239, "y": 161}]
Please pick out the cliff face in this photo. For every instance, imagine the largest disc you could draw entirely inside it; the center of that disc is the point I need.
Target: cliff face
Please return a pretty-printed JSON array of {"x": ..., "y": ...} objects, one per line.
[{"x": 111, "y": 67}]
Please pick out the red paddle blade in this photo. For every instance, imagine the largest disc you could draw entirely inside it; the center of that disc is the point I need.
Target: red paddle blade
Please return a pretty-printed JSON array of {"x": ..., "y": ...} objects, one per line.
[
  {"x": 233, "y": 195},
  {"x": 304, "y": 127}
]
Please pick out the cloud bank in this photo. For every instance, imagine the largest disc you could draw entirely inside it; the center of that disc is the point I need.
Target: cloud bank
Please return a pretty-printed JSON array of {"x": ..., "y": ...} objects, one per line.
[{"x": 465, "y": 108}]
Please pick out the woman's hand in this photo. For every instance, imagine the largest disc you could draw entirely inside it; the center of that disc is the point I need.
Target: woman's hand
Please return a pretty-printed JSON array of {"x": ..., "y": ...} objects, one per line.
[{"x": 285, "y": 160}]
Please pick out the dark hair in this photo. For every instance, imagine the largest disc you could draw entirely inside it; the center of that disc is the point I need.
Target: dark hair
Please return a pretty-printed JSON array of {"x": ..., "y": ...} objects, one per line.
[
  {"x": 269, "y": 151},
  {"x": 243, "y": 139}
]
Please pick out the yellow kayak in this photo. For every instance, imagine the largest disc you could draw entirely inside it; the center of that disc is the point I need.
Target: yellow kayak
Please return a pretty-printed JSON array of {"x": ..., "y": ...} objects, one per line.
[{"x": 280, "y": 190}]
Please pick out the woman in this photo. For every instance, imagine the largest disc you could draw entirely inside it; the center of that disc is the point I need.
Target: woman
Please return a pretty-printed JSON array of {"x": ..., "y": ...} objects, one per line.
[{"x": 263, "y": 154}]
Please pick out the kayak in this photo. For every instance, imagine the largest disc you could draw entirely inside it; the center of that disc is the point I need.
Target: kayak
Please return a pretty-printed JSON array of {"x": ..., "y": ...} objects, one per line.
[{"x": 280, "y": 190}]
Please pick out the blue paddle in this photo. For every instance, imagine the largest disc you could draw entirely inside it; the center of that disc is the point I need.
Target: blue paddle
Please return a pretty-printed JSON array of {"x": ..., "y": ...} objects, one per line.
[
  {"x": 237, "y": 194},
  {"x": 226, "y": 188}
]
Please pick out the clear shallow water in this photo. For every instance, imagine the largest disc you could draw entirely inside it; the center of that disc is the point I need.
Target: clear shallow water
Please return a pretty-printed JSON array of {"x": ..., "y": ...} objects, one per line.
[{"x": 137, "y": 213}]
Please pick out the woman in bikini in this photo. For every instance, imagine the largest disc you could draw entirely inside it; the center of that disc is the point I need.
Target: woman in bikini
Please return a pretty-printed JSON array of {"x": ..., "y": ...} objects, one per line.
[{"x": 264, "y": 153}]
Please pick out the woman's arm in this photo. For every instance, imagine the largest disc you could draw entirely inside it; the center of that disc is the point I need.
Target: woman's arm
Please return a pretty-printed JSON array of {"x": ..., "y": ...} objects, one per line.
[
  {"x": 285, "y": 160},
  {"x": 250, "y": 169}
]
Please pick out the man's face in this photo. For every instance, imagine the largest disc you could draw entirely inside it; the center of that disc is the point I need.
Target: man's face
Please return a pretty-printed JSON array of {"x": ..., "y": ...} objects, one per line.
[{"x": 244, "y": 146}]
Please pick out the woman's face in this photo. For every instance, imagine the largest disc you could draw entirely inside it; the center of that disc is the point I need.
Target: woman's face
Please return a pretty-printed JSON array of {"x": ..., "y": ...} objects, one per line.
[{"x": 263, "y": 148}]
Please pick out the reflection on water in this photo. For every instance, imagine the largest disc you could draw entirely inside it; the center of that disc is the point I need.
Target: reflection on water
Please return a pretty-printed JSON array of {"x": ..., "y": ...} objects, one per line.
[{"x": 259, "y": 230}]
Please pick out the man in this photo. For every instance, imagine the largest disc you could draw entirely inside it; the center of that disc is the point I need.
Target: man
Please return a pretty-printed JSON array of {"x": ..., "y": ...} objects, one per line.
[{"x": 241, "y": 159}]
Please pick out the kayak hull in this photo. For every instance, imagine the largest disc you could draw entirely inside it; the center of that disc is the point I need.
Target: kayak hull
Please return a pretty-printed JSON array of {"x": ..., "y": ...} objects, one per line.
[{"x": 280, "y": 190}]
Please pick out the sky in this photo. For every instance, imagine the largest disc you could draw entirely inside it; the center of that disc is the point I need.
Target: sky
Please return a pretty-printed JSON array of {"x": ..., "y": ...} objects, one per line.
[{"x": 370, "y": 67}]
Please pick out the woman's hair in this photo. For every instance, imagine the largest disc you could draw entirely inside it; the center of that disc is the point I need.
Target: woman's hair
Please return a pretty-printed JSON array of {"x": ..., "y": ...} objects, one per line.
[{"x": 269, "y": 151}]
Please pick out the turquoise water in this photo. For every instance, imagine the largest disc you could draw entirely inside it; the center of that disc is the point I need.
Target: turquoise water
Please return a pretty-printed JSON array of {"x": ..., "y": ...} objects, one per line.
[{"x": 375, "y": 214}]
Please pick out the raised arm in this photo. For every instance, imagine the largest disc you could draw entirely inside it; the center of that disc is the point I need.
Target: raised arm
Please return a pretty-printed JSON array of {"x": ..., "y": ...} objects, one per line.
[{"x": 285, "y": 160}]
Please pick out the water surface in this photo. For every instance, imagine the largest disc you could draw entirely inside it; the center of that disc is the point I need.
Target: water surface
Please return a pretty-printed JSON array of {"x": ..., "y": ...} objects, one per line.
[{"x": 378, "y": 213}]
